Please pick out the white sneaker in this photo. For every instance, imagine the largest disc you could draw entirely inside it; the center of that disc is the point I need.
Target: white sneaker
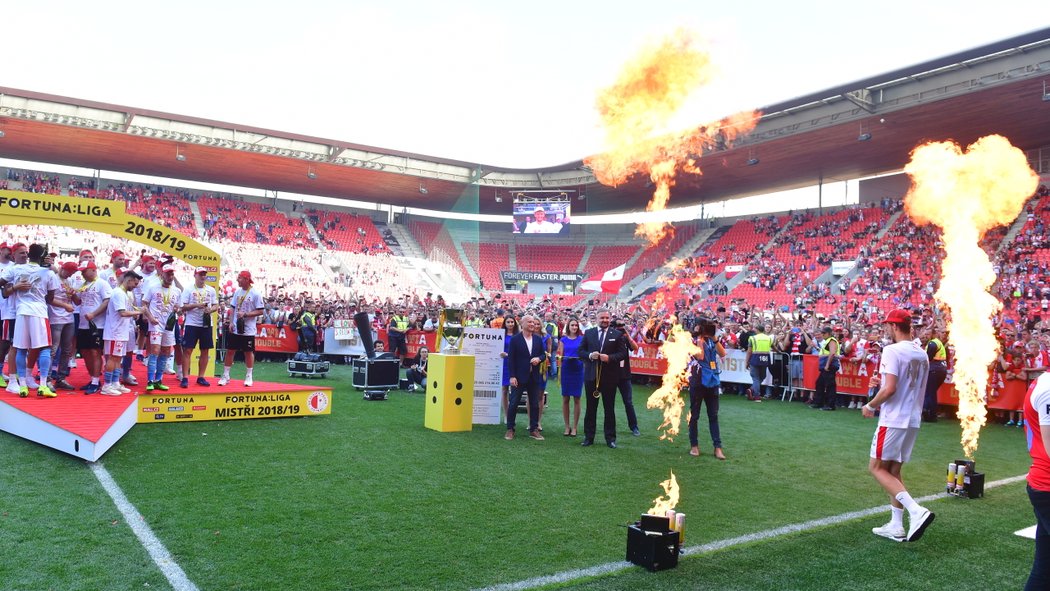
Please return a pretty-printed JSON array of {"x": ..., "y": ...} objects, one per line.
[
  {"x": 224, "y": 380},
  {"x": 852, "y": 405},
  {"x": 918, "y": 522},
  {"x": 12, "y": 386},
  {"x": 109, "y": 390},
  {"x": 890, "y": 531},
  {"x": 247, "y": 382},
  {"x": 120, "y": 388},
  {"x": 31, "y": 383},
  {"x": 130, "y": 380}
]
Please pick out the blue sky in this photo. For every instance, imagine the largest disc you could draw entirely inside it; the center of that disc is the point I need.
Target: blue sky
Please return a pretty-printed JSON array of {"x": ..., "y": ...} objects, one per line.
[{"x": 509, "y": 84}]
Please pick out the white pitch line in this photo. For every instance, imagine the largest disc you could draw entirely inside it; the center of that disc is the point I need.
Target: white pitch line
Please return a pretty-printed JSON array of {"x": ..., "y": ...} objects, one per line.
[
  {"x": 612, "y": 567},
  {"x": 161, "y": 557}
]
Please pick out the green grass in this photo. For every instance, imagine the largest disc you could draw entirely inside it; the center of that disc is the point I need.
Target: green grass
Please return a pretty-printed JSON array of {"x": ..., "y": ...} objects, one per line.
[{"x": 369, "y": 499}]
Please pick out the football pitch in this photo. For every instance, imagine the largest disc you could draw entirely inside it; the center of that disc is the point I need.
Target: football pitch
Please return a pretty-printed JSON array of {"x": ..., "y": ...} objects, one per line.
[{"x": 367, "y": 498}]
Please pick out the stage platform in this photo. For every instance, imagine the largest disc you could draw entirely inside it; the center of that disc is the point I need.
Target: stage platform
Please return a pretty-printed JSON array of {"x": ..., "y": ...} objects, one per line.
[{"x": 86, "y": 426}]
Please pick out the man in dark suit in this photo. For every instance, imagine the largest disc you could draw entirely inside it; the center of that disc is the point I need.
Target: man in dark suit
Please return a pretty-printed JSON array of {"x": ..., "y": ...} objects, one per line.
[
  {"x": 523, "y": 361},
  {"x": 602, "y": 350}
]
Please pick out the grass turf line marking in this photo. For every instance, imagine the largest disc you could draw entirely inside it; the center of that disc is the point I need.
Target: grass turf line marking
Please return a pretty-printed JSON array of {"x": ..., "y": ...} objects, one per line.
[
  {"x": 161, "y": 557},
  {"x": 612, "y": 567}
]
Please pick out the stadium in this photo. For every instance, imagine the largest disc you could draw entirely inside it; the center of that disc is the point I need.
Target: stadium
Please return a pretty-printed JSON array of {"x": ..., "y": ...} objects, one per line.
[{"x": 367, "y": 497}]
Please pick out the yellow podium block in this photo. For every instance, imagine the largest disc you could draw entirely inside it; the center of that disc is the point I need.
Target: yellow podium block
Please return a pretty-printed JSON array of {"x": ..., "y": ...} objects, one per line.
[{"x": 450, "y": 393}]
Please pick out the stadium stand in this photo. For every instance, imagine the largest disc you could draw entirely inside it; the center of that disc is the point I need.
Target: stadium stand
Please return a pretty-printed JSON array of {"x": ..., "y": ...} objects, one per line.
[
  {"x": 547, "y": 257},
  {"x": 348, "y": 232},
  {"x": 437, "y": 244},
  {"x": 249, "y": 222}
]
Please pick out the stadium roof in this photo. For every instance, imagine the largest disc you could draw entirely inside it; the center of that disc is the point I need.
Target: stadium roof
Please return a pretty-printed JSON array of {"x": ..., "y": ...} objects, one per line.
[{"x": 863, "y": 128}]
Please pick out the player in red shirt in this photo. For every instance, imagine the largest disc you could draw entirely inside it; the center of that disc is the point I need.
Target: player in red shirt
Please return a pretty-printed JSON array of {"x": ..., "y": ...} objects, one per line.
[{"x": 1037, "y": 423}]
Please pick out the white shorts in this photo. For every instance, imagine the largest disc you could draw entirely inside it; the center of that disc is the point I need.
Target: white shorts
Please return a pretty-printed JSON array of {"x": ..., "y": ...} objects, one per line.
[
  {"x": 893, "y": 444},
  {"x": 164, "y": 338},
  {"x": 115, "y": 348},
  {"x": 31, "y": 332}
]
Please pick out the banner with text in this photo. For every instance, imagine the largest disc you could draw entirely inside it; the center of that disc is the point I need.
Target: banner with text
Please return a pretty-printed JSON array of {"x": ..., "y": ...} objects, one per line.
[
  {"x": 270, "y": 339},
  {"x": 486, "y": 345},
  {"x": 218, "y": 407}
]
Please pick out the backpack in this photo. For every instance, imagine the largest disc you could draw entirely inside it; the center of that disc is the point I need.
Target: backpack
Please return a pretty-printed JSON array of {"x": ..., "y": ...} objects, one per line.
[{"x": 709, "y": 367}]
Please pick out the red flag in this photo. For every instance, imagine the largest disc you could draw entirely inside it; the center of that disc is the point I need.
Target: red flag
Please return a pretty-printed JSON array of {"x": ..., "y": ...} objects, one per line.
[{"x": 610, "y": 281}]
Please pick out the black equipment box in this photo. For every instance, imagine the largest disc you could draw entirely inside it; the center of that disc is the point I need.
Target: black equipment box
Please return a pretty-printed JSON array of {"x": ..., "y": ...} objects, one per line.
[
  {"x": 973, "y": 481},
  {"x": 308, "y": 369},
  {"x": 653, "y": 550},
  {"x": 375, "y": 373}
]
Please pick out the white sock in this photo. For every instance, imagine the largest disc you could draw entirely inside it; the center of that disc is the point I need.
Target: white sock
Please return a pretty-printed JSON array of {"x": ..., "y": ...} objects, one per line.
[
  {"x": 908, "y": 502},
  {"x": 896, "y": 516},
  {"x": 225, "y": 373},
  {"x": 248, "y": 374},
  {"x": 94, "y": 381}
]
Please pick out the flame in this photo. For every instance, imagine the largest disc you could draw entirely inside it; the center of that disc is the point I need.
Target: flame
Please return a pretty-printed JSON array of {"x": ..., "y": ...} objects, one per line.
[
  {"x": 966, "y": 194},
  {"x": 678, "y": 349},
  {"x": 637, "y": 111},
  {"x": 660, "y": 504}
]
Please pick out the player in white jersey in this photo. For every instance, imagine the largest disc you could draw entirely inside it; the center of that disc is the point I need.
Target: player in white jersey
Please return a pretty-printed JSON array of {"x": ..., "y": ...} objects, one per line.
[
  {"x": 245, "y": 309},
  {"x": 902, "y": 385},
  {"x": 160, "y": 304},
  {"x": 198, "y": 302},
  {"x": 150, "y": 278},
  {"x": 7, "y": 329},
  {"x": 76, "y": 281},
  {"x": 120, "y": 325},
  {"x": 31, "y": 287},
  {"x": 93, "y": 298},
  {"x": 117, "y": 261},
  {"x": 63, "y": 331}
]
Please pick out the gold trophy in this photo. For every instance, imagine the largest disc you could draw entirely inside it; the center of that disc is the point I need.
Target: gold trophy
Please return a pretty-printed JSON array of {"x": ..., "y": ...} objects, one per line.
[{"x": 450, "y": 331}]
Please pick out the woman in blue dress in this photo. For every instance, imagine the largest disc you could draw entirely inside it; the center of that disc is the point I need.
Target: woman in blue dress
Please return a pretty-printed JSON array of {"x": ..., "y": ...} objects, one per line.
[
  {"x": 571, "y": 374},
  {"x": 510, "y": 327}
]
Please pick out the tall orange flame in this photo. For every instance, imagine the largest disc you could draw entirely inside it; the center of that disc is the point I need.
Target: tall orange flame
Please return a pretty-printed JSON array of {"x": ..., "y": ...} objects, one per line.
[
  {"x": 967, "y": 194},
  {"x": 637, "y": 111},
  {"x": 661, "y": 504},
  {"x": 678, "y": 349}
]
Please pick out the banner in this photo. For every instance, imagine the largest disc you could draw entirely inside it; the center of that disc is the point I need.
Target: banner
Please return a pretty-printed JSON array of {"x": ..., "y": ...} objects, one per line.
[
  {"x": 486, "y": 345},
  {"x": 270, "y": 339},
  {"x": 343, "y": 329},
  {"x": 218, "y": 407},
  {"x": 732, "y": 270},
  {"x": 852, "y": 377},
  {"x": 840, "y": 268},
  {"x": 512, "y": 276},
  {"x": 414, "y": 339},
  {"x": 647, "y": 361}
]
